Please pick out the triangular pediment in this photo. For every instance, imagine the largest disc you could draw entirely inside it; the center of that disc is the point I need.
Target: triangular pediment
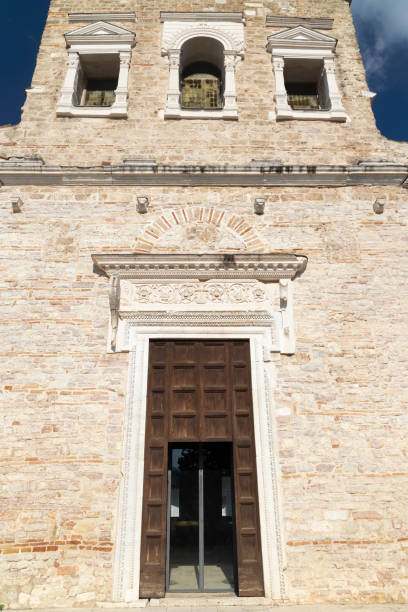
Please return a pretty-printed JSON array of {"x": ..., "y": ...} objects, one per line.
[
  {"x": 100, "y": 31},
  {"x": 100, "y": 28},
  {"x": 303, "y": 36}
]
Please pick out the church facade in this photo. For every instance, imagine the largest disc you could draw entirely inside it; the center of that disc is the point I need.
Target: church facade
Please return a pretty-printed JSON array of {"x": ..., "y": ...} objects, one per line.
[{"x": 204, "y": 282}]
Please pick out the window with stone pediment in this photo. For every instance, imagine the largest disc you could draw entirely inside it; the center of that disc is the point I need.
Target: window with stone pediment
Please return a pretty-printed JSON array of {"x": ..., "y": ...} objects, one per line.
[
  {"x": 96, "y": 81},
  {"x": 306, "y": 86},
  {"x": 203, "y": 50}
]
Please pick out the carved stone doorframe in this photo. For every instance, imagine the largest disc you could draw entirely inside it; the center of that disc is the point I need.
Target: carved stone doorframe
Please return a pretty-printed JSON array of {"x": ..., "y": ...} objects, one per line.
[{"x": 205, "y": 297}]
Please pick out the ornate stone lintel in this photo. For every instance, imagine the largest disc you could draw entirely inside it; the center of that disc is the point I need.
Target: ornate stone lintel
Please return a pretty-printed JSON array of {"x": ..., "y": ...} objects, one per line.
[
  {"x": 262, "y": 267},
  {"x": 216, "y": 291}
]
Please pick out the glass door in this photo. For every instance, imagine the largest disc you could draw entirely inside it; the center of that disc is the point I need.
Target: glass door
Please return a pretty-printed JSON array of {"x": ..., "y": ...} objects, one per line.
[{"x": 200, "y": 519}]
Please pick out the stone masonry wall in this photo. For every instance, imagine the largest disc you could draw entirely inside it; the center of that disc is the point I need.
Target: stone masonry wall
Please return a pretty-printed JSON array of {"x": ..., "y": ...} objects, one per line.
[
  {"x": 75, "y": 141},
  {"x": 341, "y": 400}
]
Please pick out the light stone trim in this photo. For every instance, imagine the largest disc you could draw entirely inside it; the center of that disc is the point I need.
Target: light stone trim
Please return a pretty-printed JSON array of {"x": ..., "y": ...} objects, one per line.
[
  {"x": 100, "y": 38},
  {"x": 229, "y": 32},
  {"x": 199, "y": 296},
  {"x": 127, "y": 550},
  {"x": 92, "y": 17},
  {"x": 277, "y": 21},
  {"x": 262, "y": 267},
  {"x": 193, "y": 282},
  {"x": 304, "y": 43},
  {"x": 33, "y": 171},
  {"x": 202, "y": 16}
]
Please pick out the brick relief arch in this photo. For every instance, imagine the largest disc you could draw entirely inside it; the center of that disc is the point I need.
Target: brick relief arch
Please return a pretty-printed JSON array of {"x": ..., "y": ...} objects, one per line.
[{"x": 199, "y": 229}]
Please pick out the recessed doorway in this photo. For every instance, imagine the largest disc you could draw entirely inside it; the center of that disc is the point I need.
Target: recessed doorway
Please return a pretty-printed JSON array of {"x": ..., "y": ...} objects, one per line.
[
  {"x": 199, "y": 405},
  {"x": 200, "y": 519}
]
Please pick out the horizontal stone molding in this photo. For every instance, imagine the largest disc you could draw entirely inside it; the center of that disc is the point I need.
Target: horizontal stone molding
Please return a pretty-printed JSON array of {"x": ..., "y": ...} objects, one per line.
[
  {"x": 201, "y": 16},
  {"x": 262, "y": 267},
  {"x": 212, "y": 319},
  {"x": 292, "y": 22},
  {"x": 26, "y": 171},
  {"x": 92, "y": 17}
]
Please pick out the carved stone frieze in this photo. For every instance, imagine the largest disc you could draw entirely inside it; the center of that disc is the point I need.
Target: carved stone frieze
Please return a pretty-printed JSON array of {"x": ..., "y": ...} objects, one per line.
[{"x": 192, "y": 292}]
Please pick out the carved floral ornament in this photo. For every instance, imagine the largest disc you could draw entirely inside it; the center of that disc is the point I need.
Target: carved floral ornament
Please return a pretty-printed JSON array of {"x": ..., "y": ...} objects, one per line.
[{"x": 187, "y": 290}]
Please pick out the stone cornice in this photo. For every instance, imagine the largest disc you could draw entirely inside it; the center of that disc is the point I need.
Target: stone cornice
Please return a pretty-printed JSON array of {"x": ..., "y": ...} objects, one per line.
[
  {"x": 292, "y": 22},
  {"x": 92, "y": 17},
  {"x": 261, "y": 267},
  {"x": 33, "y": 171},
  {"x": 202, "y": 16}
]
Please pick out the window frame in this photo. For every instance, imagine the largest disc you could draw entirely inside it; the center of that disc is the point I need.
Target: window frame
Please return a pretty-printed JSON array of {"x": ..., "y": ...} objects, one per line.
[
  {"x": 179, "y": 28},
  {"x": 302, "y": 43},
  {"x": 100, "y": 39}
]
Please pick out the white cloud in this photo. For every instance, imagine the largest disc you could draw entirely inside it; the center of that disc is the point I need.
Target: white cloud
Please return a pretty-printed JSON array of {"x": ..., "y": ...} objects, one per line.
[{"x": 388, "y": 20}]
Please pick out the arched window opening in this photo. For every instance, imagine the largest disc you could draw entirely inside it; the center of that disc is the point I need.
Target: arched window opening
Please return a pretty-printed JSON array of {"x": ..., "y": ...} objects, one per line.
[{"x": 201, "y": 74}]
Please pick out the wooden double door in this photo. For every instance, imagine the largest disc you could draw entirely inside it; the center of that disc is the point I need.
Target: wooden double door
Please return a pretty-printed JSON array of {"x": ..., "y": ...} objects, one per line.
[{"x": 200, "y": 519}]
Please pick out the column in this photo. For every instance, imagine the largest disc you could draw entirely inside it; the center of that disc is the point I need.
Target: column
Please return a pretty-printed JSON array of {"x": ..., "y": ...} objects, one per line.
[
  {"x": 68, "y": 89},
  {"x": 282, "y": 107},
  {"x": 119, "y": 107},
  {"x": 334, "y": 93},
  {"x": 173, "y": 94},
  {"x": 230, "y": 93}
]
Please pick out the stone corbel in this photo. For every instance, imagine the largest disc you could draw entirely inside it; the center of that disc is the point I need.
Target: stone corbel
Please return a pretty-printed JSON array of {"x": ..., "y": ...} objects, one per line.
[
  {"x": 288, "y": 325},
  {"x": 114, "y": 304},
  {"x": 16, "y": 204}
]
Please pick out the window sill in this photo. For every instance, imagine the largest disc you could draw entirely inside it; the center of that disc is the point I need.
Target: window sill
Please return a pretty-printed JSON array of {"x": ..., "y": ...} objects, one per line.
[
  {"x": 309, "y": 115},
  {"x": 180, "y": 113},
  {"x": 113, "y": 112}
]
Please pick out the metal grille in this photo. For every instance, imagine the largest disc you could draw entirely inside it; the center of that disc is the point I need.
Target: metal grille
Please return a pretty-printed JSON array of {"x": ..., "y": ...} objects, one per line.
[
  {"x": 100, "y": 92},
  {"x": 303, "y": 101},
  {"x": 201, "y": 91}
]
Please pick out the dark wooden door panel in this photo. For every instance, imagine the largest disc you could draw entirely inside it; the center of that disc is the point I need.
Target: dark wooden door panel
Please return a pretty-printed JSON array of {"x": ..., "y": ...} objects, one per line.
[
  {"x": 249, "y": 555},
  {"x": 216, "y": 422},
  {"x": 199, "y": 391},
  {"x": 153, "y": 545}
]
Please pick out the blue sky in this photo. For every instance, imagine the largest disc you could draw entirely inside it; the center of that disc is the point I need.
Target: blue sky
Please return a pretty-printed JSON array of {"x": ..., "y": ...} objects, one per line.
[{"x": 382, "y": 30}]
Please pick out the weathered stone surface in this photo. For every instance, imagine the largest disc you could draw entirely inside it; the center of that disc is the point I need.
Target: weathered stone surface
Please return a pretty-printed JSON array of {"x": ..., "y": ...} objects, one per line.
[{"x": 341, "y": 400}]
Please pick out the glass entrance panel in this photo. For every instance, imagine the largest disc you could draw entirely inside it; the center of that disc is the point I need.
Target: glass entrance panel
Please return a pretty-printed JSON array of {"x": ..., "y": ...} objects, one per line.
[
  {"x": 182, "y": 520},
  {"x": 200, "y": 516},
  {"x": 218, "y": 518}
]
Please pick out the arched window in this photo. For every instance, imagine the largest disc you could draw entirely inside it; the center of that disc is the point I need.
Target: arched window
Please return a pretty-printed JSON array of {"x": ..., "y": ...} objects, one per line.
[
  {"x": 204, "y": 50},
  {"x": 201, "y": 74}
]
